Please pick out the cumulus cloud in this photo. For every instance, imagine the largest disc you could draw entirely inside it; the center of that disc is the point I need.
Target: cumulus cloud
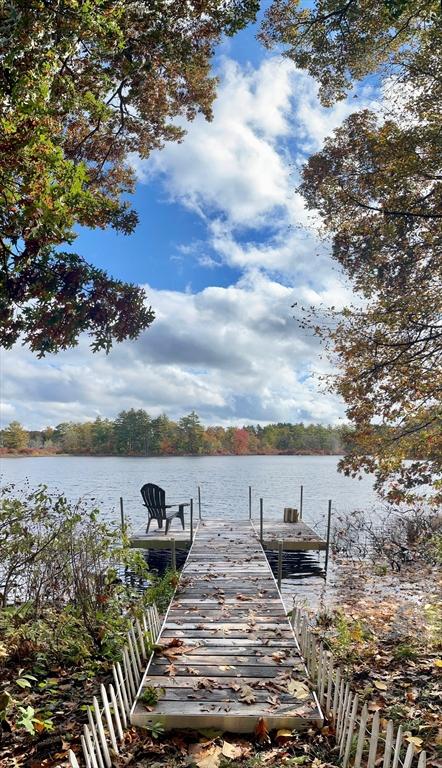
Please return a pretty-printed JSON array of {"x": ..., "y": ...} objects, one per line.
[
  {"x": 235, "y": 354},
  {"x": 239, "y": 172}
]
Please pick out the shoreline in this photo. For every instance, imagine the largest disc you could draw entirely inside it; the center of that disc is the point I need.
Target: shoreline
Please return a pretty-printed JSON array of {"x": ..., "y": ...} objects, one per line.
[{"x": 48, "y": 454}]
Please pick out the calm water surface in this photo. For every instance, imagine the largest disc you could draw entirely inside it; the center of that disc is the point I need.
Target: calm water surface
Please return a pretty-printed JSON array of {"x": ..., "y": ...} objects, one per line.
[{"x": 224, "y": 482}]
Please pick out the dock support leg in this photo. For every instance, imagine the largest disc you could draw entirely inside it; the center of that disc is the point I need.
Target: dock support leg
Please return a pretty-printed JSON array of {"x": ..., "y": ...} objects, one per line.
[
  {"x": 280, "y": 550},
  {"x": 301, "y": 499},
  {"x": 123, "y": 524},
  {"x": 173, "y": 555},
  {"x": 191, "y": 521},
  {"x": 261, "y": 514},
  {"x": 199, "y": 503},
  {"x": 250, "y": 502},
  {"x": 327, "y": 550}
]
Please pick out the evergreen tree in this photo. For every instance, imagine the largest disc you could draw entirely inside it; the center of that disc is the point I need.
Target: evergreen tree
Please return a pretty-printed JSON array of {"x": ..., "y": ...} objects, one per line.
[
  {"x": 191, "y": 433},
  {"x": 15, "y": 436}
]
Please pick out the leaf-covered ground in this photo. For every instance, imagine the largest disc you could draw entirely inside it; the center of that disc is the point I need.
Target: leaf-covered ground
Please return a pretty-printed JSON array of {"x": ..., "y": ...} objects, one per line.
[
  {"x": 385, "y": 628},
  {"x": 59, "y": 701}
]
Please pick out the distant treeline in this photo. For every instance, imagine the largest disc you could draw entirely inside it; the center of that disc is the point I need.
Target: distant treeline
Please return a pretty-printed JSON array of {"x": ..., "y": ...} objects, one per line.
[{"x": 135, "y": 433}]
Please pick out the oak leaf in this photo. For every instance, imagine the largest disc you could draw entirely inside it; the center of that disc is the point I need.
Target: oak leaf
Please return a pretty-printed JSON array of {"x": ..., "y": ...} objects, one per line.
[
  {"x": 205, "y": 755},
  {"x": 298, "y": 689},
  {"x": 246, "y": 694}
]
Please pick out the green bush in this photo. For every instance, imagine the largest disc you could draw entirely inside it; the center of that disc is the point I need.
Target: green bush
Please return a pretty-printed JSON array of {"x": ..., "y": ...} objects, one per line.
[{"x": 61, "y": 594}]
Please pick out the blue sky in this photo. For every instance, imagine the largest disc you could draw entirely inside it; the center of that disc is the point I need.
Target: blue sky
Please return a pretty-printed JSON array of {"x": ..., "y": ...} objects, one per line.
[
  {"x": 224, "y": 247},
  {"x": 153, "y": 253}
]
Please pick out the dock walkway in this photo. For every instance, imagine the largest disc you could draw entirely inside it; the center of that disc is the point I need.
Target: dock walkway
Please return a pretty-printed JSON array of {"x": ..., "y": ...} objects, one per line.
[{"x": 227, "y": 654}]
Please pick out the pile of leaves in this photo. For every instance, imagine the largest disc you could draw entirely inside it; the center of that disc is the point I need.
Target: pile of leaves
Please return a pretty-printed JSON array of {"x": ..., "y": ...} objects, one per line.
[{"x": 43, "y": 709}]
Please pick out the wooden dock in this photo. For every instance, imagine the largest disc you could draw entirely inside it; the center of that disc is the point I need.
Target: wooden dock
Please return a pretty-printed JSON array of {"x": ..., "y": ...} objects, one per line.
[
  {"x": 156, "y": 539},
  {"x": 295, "y": 536},
  {"x": 227, "y": 655}
]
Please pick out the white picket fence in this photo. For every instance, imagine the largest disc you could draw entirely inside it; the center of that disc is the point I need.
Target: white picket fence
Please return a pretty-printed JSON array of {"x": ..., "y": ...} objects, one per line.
[
  {"x": 360, "y": 738},
  {"x": 109, "y": 716}
]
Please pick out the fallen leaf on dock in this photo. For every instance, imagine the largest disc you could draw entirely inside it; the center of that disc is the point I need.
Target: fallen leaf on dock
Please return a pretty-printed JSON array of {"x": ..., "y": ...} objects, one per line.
[
  {"x": 246, "y": 694},
  {"x": 175, "y": 648},
  {"x": 298, "y": 690}
]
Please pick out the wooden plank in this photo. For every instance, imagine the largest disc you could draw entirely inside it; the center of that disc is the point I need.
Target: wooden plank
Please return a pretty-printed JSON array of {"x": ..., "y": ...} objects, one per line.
[
  {"x": 215, "y": 639},
  {"x": 216, "y": 656},
  {"x": 221, "y": 626},
  {"x": 258, "y": 708},
  {"x": 360, "y": 744},
  {"x": 233, "y": 722},
  {"x": 374, "y": 737},
  {"x": 237, "y": 670},
  {"x": 214, "y": 632},
  {"x": 388, "y": 744},
  {"x": 219, "y": 689}
]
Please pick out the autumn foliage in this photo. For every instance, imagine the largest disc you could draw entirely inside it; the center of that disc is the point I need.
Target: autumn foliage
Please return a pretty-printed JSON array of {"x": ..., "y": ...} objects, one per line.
[
  {"x": 377, "y": 185},
  {"x": 83, "y": 85}
]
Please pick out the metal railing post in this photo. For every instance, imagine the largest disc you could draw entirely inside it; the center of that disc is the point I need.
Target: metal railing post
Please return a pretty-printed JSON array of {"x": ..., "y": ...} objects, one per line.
[
  {"x": 173, "y": 554},
  {"x": 261, "y": 513},
  {"x": 327, "y": 549},
  {"x": 191, "y": 521},
  {"x": 250, "y": 502},
  {"x": 199, "y": 503},
  {"x": 123, "y": 524},
  {"x": 280, "y": 550}
]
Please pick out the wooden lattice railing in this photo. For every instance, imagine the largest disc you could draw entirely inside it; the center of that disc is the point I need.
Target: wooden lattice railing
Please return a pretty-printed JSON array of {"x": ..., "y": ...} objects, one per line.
[
  {"x": 109, "y": 714},
  {"x": 360, "y": 738}
]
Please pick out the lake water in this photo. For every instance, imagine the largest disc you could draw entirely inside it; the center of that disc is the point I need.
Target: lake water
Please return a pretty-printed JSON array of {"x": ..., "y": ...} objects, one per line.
[{"x": 224, "y": 482}]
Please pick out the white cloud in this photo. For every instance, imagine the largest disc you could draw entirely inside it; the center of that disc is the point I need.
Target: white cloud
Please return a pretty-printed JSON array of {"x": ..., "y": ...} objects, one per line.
[
  {"x": 7, "y": 413},
  {"x": 234, "y": 354},
  {"x": 239, "y": 172}
]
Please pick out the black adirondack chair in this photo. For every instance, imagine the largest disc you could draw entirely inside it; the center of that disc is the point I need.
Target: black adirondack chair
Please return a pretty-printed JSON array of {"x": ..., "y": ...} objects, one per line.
[{"x": 154, "y": 499}]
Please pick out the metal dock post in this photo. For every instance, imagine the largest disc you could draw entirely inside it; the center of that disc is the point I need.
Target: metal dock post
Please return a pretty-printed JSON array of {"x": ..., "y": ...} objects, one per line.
[
  {"x": 327, "y": 550},
  {"x": 261, "y": 513}
]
